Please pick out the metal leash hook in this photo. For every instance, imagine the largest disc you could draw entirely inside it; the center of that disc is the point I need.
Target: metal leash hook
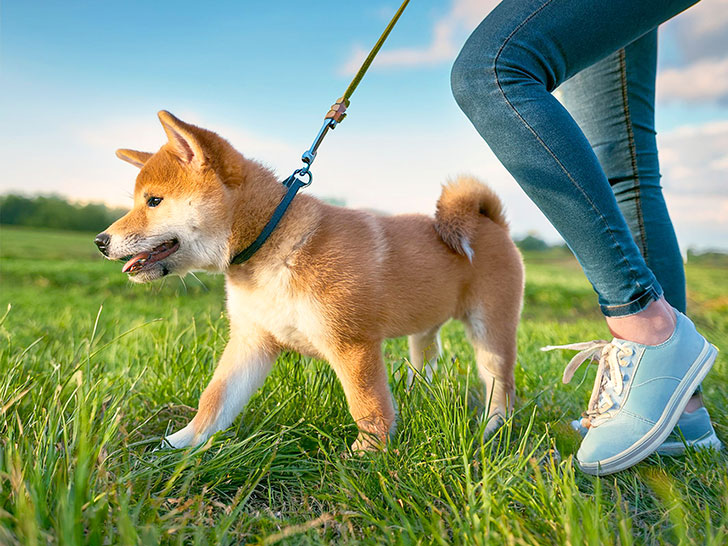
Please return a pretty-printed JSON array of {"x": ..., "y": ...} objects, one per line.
[{"x": 335, "y": 115}]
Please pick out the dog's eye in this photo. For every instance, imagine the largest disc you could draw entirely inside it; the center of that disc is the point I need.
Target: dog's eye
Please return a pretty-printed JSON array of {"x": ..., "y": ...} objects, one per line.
[{"x": 154, "y": 201}]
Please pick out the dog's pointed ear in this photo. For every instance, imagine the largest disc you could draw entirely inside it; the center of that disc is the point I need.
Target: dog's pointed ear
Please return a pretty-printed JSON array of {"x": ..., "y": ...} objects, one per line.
[
  {"x": 138, "y": 159},
  {"x": 184, "y": 144}
]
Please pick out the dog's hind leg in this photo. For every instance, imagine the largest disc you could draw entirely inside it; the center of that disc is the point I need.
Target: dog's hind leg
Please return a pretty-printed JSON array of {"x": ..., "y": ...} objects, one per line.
[
  {"x": 243, "y": 367},
  {"x": 425, "y": 349},
  {"x": 494, "y": 341},
  {"x": 360, "y": 368}
]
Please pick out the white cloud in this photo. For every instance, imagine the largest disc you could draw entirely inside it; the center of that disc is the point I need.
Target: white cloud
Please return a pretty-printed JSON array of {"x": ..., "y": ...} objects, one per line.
[
  {"x": 694, "y": 159},
  {"x": 709, "y": 17},
  {"x": 694, "y": 165},
  {"x": 700, "y": 71},
  {"x": 705, "y": 80},
  {"x": 700, "y": 221},
  {"x": 441, "y": 49},
  {"x": 702, "y": 30},
  {"x": 447, "y": 37}
]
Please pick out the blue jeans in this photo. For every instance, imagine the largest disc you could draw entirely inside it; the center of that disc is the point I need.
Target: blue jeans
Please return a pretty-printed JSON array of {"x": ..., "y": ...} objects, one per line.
[{"x": 594, "y": 171}]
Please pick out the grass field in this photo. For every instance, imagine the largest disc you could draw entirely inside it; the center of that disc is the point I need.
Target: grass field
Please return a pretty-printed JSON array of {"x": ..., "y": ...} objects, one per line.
[{"x": 94, "y": 370}]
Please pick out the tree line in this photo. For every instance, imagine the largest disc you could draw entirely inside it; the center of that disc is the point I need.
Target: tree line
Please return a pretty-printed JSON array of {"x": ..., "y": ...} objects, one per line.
[{"x": 51, "y": 211}]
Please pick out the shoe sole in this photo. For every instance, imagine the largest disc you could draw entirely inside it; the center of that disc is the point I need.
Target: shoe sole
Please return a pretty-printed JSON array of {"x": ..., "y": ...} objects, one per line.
[
  {"x": 651, "y": 441},
  {"x": 677, "y": 447},
  {"x": 672, "y": 449}
]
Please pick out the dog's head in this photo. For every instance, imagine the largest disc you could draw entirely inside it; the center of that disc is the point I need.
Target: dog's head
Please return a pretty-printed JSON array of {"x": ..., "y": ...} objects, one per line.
[{"x": 180, "y": 220}]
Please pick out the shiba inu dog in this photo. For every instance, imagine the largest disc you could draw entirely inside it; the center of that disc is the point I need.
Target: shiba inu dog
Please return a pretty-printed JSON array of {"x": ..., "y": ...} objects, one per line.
[{"x": 330, "y": 282}]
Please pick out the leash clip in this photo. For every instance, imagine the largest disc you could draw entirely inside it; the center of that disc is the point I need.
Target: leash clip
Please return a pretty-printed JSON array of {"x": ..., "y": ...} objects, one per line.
[
  {"x": 333, "y": 117},
  {"x": 297, "y": 177},
  {"x": 310, "y": 154}
]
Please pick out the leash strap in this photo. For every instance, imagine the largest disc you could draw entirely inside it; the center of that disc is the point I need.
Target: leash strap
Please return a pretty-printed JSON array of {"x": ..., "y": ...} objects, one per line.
[
  {"x": 338, "y": 109},
  {"x": 293, "y": 183},
  {"x": 334, "y": 116},
  {"x": 373, "y": 53}
]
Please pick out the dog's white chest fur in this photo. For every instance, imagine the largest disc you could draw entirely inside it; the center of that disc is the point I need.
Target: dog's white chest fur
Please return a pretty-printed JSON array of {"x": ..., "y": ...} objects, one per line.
[{"x": 293, "y": 319}]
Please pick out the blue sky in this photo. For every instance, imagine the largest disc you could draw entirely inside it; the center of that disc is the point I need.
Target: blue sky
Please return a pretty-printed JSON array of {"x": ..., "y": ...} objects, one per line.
[{"x": 80, "y": 79}]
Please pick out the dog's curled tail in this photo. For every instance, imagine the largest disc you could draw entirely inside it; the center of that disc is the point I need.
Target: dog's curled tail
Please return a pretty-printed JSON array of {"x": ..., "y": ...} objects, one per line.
[{"x": 460, "y": 208}]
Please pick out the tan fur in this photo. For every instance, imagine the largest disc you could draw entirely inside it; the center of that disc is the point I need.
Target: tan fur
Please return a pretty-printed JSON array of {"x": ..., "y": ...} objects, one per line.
[
  {"x": 330, "y": 282},
  {"x": 138, "y": 159},
  {"x": 462, "y": 203}
]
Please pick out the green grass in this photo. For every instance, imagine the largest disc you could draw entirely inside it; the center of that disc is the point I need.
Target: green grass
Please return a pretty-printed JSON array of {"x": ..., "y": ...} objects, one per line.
[{"x": 94, "y": 370}]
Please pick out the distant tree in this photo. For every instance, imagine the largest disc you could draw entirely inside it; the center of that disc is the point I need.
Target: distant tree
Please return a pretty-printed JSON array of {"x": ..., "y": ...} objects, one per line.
[
  {"x": 336, "y": 201},
  {"x": 14, "y": 209},
  {"x": 51, "y": 211},
  {"x": 715, "y": 257},
  {"x": 532, "y": 243}
]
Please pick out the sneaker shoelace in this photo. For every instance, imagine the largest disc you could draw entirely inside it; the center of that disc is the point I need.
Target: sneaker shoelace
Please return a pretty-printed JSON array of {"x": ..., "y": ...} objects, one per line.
[{"x": 614, "y": 360}]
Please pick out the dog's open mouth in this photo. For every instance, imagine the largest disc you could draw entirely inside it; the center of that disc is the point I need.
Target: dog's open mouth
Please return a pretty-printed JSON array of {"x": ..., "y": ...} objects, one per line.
[{"x": 144, "y": 260}]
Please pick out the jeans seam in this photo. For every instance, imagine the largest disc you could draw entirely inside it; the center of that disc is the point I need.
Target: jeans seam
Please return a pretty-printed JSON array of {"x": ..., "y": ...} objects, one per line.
[
  {"x": 632, "y": 150},
  {"x": 545, "y": 147}
]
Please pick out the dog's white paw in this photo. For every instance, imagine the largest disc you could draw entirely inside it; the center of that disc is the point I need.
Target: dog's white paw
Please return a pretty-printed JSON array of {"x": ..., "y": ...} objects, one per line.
[
  {"x": 496, "y": 420},
  {"x": 427, "y": 373},
  {"x": 367, "y": 443},
  {"x": 183, "y": 438}
]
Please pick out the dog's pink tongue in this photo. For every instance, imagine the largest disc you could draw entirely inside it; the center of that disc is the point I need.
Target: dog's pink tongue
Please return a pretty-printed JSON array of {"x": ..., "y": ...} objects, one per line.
[{"x": 133, "y": 264}]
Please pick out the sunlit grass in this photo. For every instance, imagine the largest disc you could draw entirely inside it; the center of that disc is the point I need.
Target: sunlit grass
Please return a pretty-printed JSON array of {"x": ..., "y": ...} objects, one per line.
[{"x": 95, "y": 370}]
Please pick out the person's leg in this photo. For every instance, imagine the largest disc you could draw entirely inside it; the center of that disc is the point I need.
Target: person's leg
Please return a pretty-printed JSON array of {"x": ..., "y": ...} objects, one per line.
[
  {"x": 502, "y": 80},
  {"x": 613, "y": 101}
]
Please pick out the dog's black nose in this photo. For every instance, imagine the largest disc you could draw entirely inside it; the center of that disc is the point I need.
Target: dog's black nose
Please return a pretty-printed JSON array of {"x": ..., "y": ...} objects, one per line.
[{"x": 102, "y": 241}]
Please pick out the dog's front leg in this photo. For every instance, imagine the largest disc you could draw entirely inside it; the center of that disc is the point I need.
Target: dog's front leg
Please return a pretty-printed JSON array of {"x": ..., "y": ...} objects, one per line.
[
  {"x": 363, "y": 376},
  {"x": 243, "y": 367}
]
